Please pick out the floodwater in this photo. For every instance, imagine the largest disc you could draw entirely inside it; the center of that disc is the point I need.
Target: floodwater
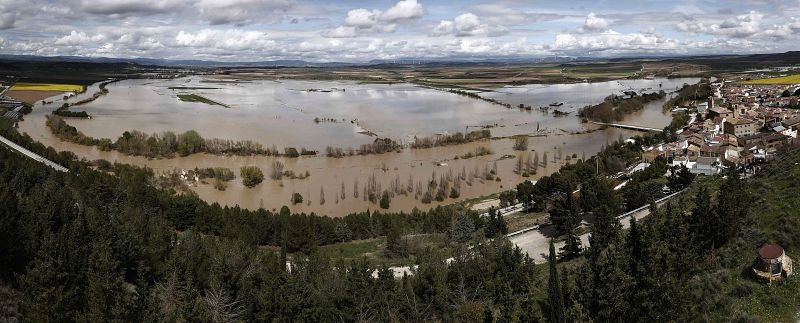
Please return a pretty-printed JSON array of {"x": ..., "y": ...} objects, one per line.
[{"x": 260, "y": 111}]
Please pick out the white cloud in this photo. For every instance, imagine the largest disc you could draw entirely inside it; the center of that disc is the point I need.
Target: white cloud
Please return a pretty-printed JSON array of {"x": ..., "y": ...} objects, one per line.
[
  {"x": 742, "y": 26},
  {"x": 229, "y": 39},
  {"x": 467, "y": 24},
  {"x": 363, "y": 21},
  {"x": 77, "y": 38},
  {"x": 404, "y": 10},
  {"x": 362, "y": 18},
  {"x": 594, "y": 23}
]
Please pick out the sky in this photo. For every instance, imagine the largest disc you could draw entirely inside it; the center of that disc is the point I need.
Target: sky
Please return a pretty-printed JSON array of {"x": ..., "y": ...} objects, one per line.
[{"x": 361, "y": 31}]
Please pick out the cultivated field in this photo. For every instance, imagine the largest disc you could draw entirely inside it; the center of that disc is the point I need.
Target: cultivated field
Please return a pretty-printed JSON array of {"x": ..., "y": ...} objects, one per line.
[
  {"x": 789, "y": 79},
  {"x": 29, "y": 96},
  {"x": 47, "y": 87}
]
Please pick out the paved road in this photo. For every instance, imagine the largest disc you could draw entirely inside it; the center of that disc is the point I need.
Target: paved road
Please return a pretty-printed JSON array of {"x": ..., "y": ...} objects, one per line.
[
  {"x": 535, "y": 241},
  {"x": 32, "y": 155}
]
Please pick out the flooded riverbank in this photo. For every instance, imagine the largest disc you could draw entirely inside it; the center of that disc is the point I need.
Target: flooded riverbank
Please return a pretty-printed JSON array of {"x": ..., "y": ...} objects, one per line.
[{"x": 329, "y": 175}]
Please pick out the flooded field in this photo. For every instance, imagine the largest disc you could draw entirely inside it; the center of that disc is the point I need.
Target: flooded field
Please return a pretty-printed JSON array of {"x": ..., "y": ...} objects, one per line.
[{"x": 283, "y": 113}]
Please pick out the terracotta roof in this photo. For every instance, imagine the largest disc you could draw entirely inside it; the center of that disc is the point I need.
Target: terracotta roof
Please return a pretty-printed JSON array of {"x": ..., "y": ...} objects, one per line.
[{"x": 770, "y": 251}]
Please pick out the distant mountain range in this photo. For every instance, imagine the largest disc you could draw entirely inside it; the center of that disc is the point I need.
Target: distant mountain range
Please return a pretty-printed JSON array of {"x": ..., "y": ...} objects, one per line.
[{"x": 788, "y": 57}]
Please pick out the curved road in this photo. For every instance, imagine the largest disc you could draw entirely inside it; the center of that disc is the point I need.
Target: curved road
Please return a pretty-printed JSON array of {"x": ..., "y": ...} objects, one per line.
[{"x": 32, "y": 155}]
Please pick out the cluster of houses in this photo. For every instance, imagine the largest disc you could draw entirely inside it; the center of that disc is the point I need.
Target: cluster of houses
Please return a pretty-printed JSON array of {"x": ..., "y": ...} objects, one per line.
[{"x": 738, "y": 125}]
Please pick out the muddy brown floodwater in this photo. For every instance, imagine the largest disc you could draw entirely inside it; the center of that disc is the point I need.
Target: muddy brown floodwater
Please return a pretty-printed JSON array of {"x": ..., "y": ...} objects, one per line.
[{"x": 330, "y": 174}]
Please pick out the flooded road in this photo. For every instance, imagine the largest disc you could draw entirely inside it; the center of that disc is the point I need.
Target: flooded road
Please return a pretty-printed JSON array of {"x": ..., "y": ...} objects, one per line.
[{"x": 329, "y": 175}]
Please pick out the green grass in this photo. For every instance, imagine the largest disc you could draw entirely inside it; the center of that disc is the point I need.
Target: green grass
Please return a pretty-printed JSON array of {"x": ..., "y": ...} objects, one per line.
[
  {"x": 374, "y": 249},
  {"x": 775, "y": 218},
  {"x": 200, "y": 99}
]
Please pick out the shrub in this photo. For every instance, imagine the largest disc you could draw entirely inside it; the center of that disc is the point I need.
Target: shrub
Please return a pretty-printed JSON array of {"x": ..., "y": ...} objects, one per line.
[
  {"x": 297, "y": 198},
  {"x": 385, "y": 200},
  {"x": 251, "y": 175},
  {"x": 521, "y": 143}
]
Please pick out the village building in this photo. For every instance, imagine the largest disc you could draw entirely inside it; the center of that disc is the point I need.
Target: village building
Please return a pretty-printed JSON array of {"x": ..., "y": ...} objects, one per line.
[{"x": 740, "y": 127}]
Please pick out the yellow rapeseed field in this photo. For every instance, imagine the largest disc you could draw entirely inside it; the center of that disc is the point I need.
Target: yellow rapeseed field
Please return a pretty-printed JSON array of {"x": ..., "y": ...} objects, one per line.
[
  {"x": 789, "y": 79},
  {"x": 47, "y": 87}
]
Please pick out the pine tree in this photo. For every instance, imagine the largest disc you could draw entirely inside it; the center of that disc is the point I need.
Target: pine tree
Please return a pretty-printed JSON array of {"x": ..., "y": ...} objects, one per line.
[
  {"x": 704, "y": 222},
  {"x": 635, "y": 246},
  {"x": 490, "y": 231},
  {"x": 572, "y": 246},
  {"x": 732, "y": 208},
  {"x": 604, "y": 229},
  {"x": 554, "y": 293},
  {"x": 502, "y": 226},
  {"x": 564, "y": 213}
]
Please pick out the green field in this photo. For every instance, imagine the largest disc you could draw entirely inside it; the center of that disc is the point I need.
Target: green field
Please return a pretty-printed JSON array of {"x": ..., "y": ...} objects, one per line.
[
  {"x": 789, "y": 79},
  {"x": 47, "y": 87},
  {"x": 199, "y": 98},
  {"x": 374, "y": 249}
]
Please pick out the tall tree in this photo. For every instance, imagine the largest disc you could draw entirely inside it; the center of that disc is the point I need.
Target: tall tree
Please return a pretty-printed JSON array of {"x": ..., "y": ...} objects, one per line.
[
  {"x": 732, "y": 207},
  {"x": 572, "y": 245},
  {"x": 525, "y": 193},
  {"x": 564, "y": 213},
  {"x": 554, "y": 293},
  {"x": 605, "y": 228}
]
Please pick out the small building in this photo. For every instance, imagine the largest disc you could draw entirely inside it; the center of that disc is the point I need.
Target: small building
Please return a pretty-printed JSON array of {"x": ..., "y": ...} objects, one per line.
[{"x": 772, "y": 263}]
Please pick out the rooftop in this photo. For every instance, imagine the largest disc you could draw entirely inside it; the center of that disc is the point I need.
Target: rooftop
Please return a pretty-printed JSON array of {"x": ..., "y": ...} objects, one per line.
[{"x": 770, "y": 251}]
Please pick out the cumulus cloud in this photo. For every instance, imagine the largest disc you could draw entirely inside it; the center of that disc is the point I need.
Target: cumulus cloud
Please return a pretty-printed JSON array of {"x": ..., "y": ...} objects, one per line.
[
  {"x": 404, "y": 10},
  {"x": 742, "y": 26},
  {"x": 467, "y": 24},
  {"x": 77, "y": 38},
  {"x": 612, "y": 41},
  {"x": 228, "y": 39},
  {"x": 362, "y": 18},
  {"x": 363, "y": 21},
  {"x": 594, "y": 23},
  {"x": 301, "y": 29}
]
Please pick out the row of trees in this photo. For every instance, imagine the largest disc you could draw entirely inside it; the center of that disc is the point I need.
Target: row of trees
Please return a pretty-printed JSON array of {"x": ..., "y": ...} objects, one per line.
[
  {"x": 168, "y": 144},
  {"x": 451, "y": 139},
  {"x": 690, "y": 92},
  {"x": 615, "y": 108}
]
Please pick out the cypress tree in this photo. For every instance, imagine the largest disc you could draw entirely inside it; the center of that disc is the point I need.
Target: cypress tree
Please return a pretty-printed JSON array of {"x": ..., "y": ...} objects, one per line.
[
  {"x": 555, "y": 295},
  {"x": 491, "y": 225},
  {"x": 604, "y": 229},
  {"x": 635, "y": 245}
]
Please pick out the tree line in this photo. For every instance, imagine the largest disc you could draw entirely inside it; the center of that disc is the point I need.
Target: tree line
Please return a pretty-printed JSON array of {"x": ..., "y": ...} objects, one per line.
[{"x": 615, "y": 108}]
